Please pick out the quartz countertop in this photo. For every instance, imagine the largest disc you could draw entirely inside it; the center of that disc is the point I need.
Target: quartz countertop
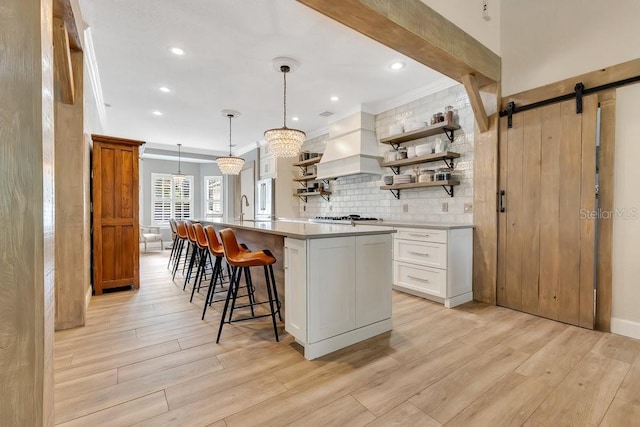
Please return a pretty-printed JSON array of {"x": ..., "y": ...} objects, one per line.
[
  {"x": 431, "y": 225},
  {"x": 392, "y": 223},
  {"x": 302, "y": 229}
]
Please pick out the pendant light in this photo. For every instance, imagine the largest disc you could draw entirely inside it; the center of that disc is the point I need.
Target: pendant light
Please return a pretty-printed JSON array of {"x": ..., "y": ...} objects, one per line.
[
  {"x": 230, "y": 165},
  {"x": 284, "y": 142},
  {"x": 179, "y": 177}
]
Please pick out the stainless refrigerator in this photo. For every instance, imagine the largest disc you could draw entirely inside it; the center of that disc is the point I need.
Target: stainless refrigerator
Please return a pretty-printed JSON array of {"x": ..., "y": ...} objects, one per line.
[{"x": 265, "y": 200}]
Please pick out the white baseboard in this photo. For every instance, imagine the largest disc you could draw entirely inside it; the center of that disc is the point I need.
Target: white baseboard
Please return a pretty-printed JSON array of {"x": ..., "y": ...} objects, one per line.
[{"x": 624, "y": 327}]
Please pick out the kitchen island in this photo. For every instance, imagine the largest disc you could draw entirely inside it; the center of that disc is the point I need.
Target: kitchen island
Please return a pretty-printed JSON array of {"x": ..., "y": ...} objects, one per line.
[{"x": 336, "y": 279}]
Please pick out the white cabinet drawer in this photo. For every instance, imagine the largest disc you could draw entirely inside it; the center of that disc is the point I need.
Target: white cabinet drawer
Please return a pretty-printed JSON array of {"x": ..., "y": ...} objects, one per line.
[
  {"x": 423, "y": 279},
  {"x": 427, "y": 254},
  {"x": 422, "y": 235}
]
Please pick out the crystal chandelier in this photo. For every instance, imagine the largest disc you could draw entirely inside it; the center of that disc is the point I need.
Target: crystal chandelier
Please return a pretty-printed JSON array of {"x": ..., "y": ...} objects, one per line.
[
  {"x": 230, "y": 165},
  {"x": 285, "y": 142}
]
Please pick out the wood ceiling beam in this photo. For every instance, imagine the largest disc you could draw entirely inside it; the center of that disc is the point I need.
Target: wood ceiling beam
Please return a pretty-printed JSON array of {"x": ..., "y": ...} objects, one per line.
[
  {"x": 62, "y": 10},
  {"x": 417, "y": 31},
  {"x": 63, "y": 70},
  {"x": 471, "y": 86}
]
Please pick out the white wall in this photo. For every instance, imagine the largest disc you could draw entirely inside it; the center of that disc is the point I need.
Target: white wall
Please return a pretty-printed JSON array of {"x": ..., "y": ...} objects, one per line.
[
  {"x": 361, "y": 194},
  {"x": 544, "y": 41},
  {"x": 626, "y": 225},
  {"x": 467, "y": 15}
]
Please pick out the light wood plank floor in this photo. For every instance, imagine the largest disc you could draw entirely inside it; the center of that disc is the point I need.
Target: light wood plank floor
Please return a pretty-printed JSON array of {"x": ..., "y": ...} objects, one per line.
[{"x": 146, "y": 358}]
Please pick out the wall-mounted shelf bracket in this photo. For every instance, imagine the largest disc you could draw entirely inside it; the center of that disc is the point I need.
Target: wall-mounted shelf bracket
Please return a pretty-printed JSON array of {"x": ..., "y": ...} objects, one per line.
[
  {"x": 395, "y": 169},
  {"x": 303, "y": 198},
  {"x": 325, "y": 196},
  {"x": 449, "y": 134},
  {"x": 396, "y": 194},
  {"x": 448, "y": 189},
  {"x": 448, "y": 162}
]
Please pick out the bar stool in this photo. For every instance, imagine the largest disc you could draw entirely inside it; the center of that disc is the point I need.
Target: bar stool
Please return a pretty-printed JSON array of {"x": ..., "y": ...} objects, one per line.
[
  {"x": 202, "y": 248},
  {"x": 193, "y": 249},
  {"x": 240, "y": 261},
  {"x": 217, "y": 251},
  {"x": 174, "y": 241},
  {"x": 183, "y": 238}
]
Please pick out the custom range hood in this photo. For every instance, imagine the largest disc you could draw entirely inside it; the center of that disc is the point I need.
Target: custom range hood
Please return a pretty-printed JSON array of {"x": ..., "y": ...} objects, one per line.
[{"x": 352, "y": 148}]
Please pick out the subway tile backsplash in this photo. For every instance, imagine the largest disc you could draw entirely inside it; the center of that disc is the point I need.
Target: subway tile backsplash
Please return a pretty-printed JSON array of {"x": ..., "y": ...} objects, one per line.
[{"x": 361, "y": 194}]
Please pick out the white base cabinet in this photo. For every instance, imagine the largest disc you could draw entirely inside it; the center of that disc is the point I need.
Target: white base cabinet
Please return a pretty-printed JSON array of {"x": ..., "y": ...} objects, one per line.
[
  {"x": 434, "y": 264},
  {"x": 338, "y": 290}
]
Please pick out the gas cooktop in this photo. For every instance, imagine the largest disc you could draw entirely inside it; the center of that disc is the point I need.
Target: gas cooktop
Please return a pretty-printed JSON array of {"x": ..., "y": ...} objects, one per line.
[{"x": 347, "y": 218}]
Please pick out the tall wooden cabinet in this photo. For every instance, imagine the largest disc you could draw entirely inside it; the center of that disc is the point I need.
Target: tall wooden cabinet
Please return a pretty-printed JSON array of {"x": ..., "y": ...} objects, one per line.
[{"x": 115, "y": 213}]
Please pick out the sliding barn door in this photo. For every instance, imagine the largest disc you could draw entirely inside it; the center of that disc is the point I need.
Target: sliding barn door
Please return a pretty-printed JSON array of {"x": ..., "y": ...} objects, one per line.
[{"x": 546, "y": 237}]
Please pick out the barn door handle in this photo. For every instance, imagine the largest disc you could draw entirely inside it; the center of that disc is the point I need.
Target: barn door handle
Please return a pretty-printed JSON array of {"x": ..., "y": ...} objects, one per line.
[{"x": 503, "y": 207}]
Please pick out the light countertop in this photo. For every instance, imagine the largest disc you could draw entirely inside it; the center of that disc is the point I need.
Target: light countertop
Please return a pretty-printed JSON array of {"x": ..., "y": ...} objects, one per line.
[
  {"x": 432, "y": 225},
  {"x": 391, "y": 223},
  {"x": 302, "y": 229}
]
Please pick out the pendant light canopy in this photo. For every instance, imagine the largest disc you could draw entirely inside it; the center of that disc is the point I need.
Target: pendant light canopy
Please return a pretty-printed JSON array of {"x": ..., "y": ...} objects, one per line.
[
  {"x": 179, "y": 176},
  {"x": 284, "y": 142},
  {"x": 230, "y": 165}
]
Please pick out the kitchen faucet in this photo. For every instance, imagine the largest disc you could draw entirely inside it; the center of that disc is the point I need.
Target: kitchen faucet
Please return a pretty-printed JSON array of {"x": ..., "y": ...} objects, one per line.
[{"x": 246, "y": 203}]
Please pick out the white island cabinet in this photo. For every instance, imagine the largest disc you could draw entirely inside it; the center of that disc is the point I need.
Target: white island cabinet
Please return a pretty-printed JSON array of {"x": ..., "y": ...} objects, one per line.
[{"x": 338, "y": 290}]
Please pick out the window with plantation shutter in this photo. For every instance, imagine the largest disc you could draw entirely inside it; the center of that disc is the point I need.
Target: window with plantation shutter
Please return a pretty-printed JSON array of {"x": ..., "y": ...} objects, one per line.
[
  {"x": 172, "y": 198},
  {"x": 213, "y": 196}
]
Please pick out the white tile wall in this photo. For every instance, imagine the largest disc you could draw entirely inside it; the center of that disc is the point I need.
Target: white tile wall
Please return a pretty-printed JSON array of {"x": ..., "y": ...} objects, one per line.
[{"x": 361, "y": 194}]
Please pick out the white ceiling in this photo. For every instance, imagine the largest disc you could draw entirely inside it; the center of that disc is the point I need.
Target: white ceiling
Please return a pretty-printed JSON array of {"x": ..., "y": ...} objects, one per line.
[{"x": 229, "y": 46}]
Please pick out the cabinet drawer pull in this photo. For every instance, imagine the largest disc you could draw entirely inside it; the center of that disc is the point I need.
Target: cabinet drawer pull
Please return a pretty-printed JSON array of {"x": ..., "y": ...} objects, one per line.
[
  {"x": 418, "y": 235},
  {"x": 419, "y": 253},
  {"x": 418, "y": 278}
]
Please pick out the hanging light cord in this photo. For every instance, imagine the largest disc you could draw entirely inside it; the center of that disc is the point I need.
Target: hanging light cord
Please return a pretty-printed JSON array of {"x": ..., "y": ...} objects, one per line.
[
  {"x": 230, "y": 117},
  {"x": 285, "y": 69},
  {"x": 179, "y": 173}
]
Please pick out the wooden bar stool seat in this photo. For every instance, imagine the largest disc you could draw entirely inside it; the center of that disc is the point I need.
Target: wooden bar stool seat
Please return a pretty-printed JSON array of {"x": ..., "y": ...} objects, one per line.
[{"x": 241, "y": 261}]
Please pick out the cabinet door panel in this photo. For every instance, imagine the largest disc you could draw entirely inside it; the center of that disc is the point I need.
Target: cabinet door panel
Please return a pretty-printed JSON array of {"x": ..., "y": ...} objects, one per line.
[
  {"x": 295, "y": 290},
  {"x": 331, "y": 287},
  {"x": 373, "y": 285}
]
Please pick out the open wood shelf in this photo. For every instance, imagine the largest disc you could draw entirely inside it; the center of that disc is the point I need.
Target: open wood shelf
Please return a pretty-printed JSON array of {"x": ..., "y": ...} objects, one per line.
[
  {"x": 324, "y": 194},
  {"x": 308, "y": 162},
  {"x": 446, "y": 155},
  {"x": 447, "y": 185},
  {"x": 443, "y": 127},
  {"x": 306, "y": 178}
]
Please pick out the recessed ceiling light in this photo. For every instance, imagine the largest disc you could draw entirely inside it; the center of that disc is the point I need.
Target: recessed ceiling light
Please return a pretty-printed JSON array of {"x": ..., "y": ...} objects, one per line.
[
  {"x": 177, "y": 51},
  {"x": 157, "y": 113},
  {"x": 295, "y": 118},
  {"x": 334, "y": 98},
  {"x": 398, "y": 65},
  {"x": 165, "y": 89}
]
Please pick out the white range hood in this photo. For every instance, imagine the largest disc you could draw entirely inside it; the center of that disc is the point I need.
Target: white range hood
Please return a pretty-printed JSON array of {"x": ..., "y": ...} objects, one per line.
[{"x": 352, "y": 148}]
